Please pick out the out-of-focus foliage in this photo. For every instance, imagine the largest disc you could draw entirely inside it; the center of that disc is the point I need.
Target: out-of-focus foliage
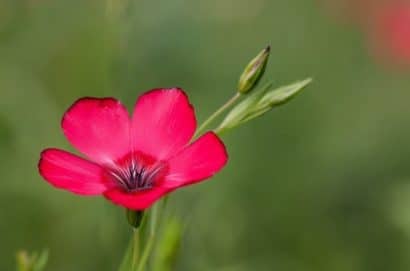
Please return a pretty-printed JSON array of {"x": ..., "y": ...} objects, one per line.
[
  {"x": 168, "y": 246},
  {"x": 31, "y": 262},
  {"x": 319, "y": 184}
]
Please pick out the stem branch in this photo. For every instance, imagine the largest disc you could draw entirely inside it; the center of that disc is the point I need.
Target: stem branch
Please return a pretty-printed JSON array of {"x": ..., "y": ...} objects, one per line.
[
  {"x": 150, "y": 242},
  {"x": 211, "y": 118}
]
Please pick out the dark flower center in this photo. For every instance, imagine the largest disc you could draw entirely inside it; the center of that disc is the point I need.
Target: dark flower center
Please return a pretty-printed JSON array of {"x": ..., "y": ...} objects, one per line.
[{"x": 134, "y": 175}]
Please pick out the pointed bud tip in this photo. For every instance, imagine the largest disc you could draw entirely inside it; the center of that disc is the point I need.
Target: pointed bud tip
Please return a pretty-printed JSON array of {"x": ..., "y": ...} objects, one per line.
[{"x": 254, "y": 71}]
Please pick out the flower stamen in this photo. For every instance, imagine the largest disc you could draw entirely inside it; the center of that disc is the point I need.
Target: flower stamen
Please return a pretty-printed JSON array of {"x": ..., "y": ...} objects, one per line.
[{"x": 134, "y": 176}]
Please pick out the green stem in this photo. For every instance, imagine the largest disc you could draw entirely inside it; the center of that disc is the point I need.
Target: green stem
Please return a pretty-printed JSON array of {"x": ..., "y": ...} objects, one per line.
[
  {"x": 145, "y": 255},
  {"x": 211, "y": 118},
  {"x": 219, "y": 131},
  {"x": 135, "y": 248},
  {"x": 150, "y": 242}
]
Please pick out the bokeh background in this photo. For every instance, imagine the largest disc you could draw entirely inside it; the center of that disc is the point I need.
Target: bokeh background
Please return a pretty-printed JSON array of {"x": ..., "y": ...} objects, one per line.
[{"x": 320, "y": 184}]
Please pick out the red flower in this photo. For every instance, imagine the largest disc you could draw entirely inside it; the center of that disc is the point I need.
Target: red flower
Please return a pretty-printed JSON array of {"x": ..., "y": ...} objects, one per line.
[{"x": 132, "y": 161}]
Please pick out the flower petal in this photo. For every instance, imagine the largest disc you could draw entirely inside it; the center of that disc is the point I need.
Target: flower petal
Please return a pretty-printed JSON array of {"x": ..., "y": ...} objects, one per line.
[
  {"x": 163, "y": 122},
  {"x": 99, "y": 128},
  {"x": 137, "y": 200},
  {"x": 196, "y": 162},
  {"x": 70, "y": 172}
]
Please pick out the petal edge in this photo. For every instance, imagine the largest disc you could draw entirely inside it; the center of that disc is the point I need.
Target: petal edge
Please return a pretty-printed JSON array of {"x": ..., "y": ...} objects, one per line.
[
  {"x": 198, "y": 161},
  {"x": 67, "y": 171},
  {"x": 136, "y": 201},
  {"x": 99, "y": 128},
  {"x": 163, "y": 122}
]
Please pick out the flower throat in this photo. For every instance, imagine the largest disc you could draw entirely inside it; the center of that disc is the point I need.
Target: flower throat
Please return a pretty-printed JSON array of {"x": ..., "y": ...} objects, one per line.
[{"x": 135, "y": 174}]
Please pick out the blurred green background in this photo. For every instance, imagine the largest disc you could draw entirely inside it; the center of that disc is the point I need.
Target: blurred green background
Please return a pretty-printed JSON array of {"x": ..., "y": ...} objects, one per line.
[{"x": 319, "y": 184}]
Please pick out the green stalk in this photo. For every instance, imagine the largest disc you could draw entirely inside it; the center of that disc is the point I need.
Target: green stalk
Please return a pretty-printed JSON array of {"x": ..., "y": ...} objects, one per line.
[
  {"x": 150, "y": 242},
  {"x": 135, "y": 248},
  {"x": 218, "y": 112}
]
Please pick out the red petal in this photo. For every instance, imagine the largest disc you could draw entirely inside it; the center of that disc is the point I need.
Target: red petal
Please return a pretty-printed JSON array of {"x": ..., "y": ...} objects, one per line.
[
  {"x": 138, "y": 200},
  {"x": 99, "y": 128},
  {"x": 196, "y": 162},
  {"x": 163, "y": 122},
  {"x": 67, "y": 171}
]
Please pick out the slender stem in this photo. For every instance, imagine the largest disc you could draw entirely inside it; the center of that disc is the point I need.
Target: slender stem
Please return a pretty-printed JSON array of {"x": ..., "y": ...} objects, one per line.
[
  {"x": 150, "y": 242},
  {"x": 219, "y": 131},
  {"x": 135, "y": 248},
  {"x": 145, "y": 255},
  {"x": 211, "y": 118}
]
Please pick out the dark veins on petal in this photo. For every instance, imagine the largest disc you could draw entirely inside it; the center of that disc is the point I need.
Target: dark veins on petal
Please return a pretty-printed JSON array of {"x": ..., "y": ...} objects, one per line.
[{"x": 137, "y": 173}]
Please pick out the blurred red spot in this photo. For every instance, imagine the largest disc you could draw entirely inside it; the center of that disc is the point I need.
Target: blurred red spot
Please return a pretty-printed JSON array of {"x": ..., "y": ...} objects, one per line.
[
  {"x": 390, "y": 33},
  {"x": 385, "y": 23}
]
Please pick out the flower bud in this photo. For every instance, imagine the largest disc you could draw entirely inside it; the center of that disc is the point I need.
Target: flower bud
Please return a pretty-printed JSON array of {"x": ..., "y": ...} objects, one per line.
[
  {"x": 254, "y": 71},
  {"x": 260, "y": 102},
  {"x": 134, "y": 217},
  {"x": 283, "y": 94}
]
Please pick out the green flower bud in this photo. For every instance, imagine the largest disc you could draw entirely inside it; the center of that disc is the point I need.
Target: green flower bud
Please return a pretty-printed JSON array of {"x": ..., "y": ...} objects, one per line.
[
  {"x": 260, "y": 102},
  {"x": 254, "y": 71},
  {"x": 283, "y": 94}
]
